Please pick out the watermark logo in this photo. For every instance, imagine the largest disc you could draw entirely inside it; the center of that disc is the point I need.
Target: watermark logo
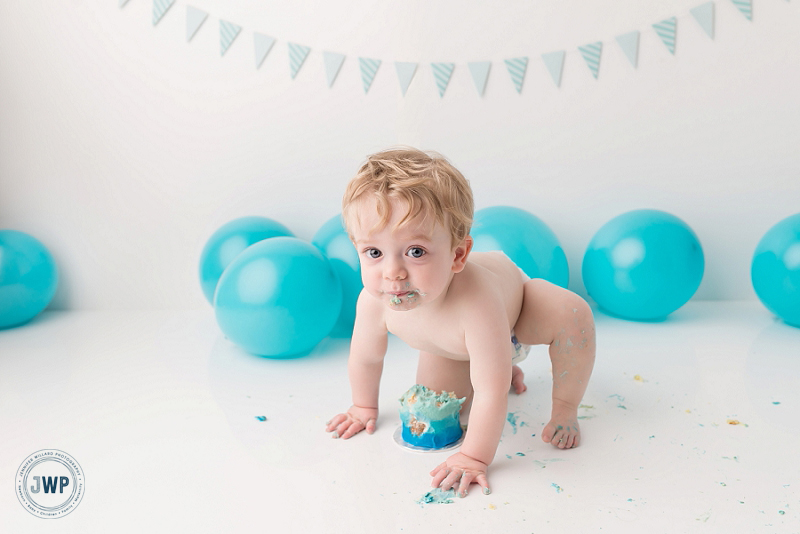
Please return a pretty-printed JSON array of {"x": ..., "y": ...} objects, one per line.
[{"x": 50, "y": 483}]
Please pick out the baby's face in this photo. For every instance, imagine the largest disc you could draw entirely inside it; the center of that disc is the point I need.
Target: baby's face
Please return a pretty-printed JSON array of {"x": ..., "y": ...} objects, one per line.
[{"x": 404, "y": 268}]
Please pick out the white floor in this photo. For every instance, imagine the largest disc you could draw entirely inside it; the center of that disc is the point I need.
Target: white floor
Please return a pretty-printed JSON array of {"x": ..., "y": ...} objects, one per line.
[{"x": 161, "y": 412}]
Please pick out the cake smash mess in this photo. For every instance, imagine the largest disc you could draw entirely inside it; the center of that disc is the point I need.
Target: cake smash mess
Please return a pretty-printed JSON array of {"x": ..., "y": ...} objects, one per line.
[{"x": 470, "y": 314}]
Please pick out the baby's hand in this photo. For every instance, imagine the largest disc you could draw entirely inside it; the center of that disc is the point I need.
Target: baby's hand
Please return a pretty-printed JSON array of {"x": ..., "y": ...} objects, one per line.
[
  {"x": 346, "y": 425},
  {"x": 458, "y": 472}
]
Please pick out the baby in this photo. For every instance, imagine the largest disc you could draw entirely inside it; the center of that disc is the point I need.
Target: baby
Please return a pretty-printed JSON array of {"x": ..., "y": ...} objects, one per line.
[{"x": 409, "y": 214}]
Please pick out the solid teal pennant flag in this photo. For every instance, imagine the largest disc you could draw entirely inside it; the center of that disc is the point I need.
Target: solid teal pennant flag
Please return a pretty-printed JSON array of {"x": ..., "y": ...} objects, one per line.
[
  {"x": 667, "y": 30},
  {"x": 629, "y": 42},
  {"x": 516, "y": 68},
  {"x": 227, "y": 33},
  {"x": 297, "y": 55},
  {"x": 442, "y": 72},
  {"x": 405, "y": 73},
  {"x": 480, "y": 74},
  {"x": 333, "y": 63},
  {"x": 591, "y": 54},
  {"x": 194, "y": 19},
  {"x": 554, "y": 61},
  {"x": 704, "y": 15},
  {"x": 369, "y": 68}
]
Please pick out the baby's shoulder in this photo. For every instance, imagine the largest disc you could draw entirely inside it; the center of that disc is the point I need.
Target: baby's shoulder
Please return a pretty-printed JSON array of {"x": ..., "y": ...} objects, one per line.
[{"x": 489, "y": 275}]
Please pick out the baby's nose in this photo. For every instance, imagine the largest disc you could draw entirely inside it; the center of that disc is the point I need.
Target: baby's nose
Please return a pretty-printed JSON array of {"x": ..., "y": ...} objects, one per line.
[{"x": 394, "y": 272}]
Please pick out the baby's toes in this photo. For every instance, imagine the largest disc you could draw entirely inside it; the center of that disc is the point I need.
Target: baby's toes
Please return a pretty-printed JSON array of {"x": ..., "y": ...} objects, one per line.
[{"x": 548, "y": 433}]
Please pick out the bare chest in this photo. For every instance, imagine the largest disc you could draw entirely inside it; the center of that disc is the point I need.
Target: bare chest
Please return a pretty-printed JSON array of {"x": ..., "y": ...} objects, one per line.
[{"x": 440, "y": 335}]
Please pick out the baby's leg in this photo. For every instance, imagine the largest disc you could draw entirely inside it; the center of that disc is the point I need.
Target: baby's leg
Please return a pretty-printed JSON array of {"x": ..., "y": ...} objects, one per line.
[
  {"x": 557, "y": 317},
  {"x": 444, "y": 374}
]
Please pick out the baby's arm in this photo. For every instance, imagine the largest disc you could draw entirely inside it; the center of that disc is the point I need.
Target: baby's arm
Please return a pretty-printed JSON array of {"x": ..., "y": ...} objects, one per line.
[
  {"x": 489, "y": 348},
  {"x": 365, "y": 365}
]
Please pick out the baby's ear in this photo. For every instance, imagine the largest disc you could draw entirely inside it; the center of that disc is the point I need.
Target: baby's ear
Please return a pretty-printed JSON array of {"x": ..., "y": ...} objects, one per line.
[{"x": 461, "y": 253}]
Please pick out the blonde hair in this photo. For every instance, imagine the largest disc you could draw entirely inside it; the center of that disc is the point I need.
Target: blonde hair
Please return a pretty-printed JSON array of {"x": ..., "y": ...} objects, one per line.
[{"x": 425, "y": 181}]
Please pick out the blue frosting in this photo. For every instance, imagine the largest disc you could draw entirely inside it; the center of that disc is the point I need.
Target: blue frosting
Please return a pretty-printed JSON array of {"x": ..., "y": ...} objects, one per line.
[{"x": 430, "y": 420}]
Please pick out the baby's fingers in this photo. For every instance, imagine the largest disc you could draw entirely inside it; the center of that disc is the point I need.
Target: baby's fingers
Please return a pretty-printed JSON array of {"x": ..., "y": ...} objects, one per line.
[
  {"x": 483, "y": 483},
  {"x": 452, "y": 479},
  {"x": 371, "y": 426},
  {"x": 463, "y": 486},
  {"x": 336, "y": 421},
  {"x": 354, "y": 428}
]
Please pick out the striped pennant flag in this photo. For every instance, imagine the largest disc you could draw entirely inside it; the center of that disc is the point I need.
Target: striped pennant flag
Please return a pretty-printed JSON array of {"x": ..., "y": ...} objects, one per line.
[
  {"x": 667, "y": 29},
  {"x": 369, "y": 68},
  {"x": 263, "y": 45},
  {"x": 227, "y": 33},
  {"x": 591, "y": 54},
  {"x": 159, "y": 8},
  {"x": 554, "y": 61},
  {"x": 745, "y": 6},
  {"x": 297, "y": 55},
  {"x": 194, "y": 19},
  {"x": 405, "y": 73},
  {"x": 480, "y": 74},
  {"x": 516, "y": 68},
  {"x": 333, "y": 63},
  {"x": 441, "y": 74},
  {"x": 704, "y": 15},
  {"x": 629, "y": 42}
]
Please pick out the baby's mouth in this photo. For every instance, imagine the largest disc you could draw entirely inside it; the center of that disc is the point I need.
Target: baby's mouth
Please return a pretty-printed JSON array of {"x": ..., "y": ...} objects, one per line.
[{"x": 410, "y": 296}]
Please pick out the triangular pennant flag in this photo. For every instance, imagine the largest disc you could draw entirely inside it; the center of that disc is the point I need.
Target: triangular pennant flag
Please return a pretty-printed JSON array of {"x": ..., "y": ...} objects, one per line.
[
  {"x": 516, "y": 68},
  {"x": 122, "y": 2},
  {"x": 667, "y": 30},
  {"x": 263, "y": 46},
  {"x": 704, "y": 15},
  {"x": 194, "y": 19},
  {"x": 441, "y": 74},
  {"x": 629, "y": 42},
  {"x": 591, "y": 54},
  {"x": 333, "y": 62},
  {"x": 745, "y": 6},
  {"x": 369, "y": 68},
  {"x": 159, "y": 8},
  {"x": 480, "y": 73},
  {"x": 554, "y": 61},
  {"x": 297, "y": 55},
  {"x": 405, "y": 73},
  {"x": 227, "y": 33}
]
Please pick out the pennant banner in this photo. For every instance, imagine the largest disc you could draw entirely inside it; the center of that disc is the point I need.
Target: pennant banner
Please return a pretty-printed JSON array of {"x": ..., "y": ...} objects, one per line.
[
  {"x": 263, "y": 46},
  {"x": 554, "y": 61},
  {"x": 194, "y": 19},
  {"x": 405, "y": 73},
  {"x": 704, "y": 15},
  {"x": 160, "y": 7},
  {"x": 442, "y": 72},
  {"x": 369, "y": 68},
  {"x": 297, "y": 55},
  {"x": 333, "y": 63},
  {"x": 480, "y": 74},
  {"x": 667, "y": 30},
  {"x": 629, "y": 42},
  {"x": 516, "y": 68},
  {"x": 227, "y": 33},
  {"x": 591, "y": 54}
]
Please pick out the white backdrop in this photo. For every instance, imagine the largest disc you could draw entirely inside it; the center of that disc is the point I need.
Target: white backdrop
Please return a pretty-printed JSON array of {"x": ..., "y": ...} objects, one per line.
[{"x": 123, "y": 147}]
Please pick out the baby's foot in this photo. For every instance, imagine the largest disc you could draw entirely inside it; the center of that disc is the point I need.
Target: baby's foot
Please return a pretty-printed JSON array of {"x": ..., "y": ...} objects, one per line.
[
  {"x": 562, "y": 431},
  {"x": 517, "y": 380}
]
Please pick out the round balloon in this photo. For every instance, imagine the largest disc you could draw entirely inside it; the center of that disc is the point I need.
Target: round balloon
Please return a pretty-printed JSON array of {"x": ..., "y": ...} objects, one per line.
[
  {"x": 524, "y": 238},
  {"x": 278, "y": 298},
  {"x": 643, "y": 265},
  {"x": 775, "y": 270},
  {"x": 228, "y": 242},
  {"x": 28, "y": 278},
  {"x": 332, "y": 240}
]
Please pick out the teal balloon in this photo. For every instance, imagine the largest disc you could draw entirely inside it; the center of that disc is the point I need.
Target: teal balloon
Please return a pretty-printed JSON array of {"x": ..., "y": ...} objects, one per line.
[
  {"x": 28, "y": 278},
  {"x": 643, "y": 265},
  {"x": 278, "y": 298},
  {"x": 228, "y": 242},
  {"x": 332, "y": 240},
  {"x": 524, "y": 238},
  {"x": 775, "y": 270}
]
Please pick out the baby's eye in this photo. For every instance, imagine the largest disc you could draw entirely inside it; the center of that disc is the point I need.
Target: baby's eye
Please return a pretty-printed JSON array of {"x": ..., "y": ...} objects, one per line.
[
  {"x": 373, "y": 253},
  {"x": 416, "y": 252}
]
